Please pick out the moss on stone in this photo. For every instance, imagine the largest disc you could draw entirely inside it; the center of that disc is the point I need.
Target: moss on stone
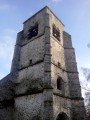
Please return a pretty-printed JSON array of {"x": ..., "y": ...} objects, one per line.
[
  {"x": 36, "y": 117},
  {"x": 48, "y": 103},
  {"x": 47, "y": 86}
]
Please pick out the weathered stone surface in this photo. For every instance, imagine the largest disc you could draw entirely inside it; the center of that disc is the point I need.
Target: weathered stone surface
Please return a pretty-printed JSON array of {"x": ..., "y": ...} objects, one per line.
[
  {"x": 29, "y": 86},
  {"x": 29, "y": 107},
  {"x": 43, "y": 83},
  {"x": 6, "y": 88}
]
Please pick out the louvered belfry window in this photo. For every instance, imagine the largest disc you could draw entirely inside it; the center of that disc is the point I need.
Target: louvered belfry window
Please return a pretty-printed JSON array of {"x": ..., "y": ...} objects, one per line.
[
  {"x": 33, "y": 31},
  {"x": 56, "y": 32}
]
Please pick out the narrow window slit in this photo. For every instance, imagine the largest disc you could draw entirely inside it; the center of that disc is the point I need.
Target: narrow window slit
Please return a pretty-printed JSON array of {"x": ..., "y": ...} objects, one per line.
[{"x": 56, "y": 32}]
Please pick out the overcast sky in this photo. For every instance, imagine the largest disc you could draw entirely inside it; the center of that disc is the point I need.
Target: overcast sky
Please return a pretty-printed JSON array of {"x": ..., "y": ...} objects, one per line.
[{"x": 75, "y": 14}]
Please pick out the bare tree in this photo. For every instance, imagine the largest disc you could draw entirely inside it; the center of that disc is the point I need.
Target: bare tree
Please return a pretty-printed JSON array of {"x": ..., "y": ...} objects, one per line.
[{"x": 86, "y": 87}]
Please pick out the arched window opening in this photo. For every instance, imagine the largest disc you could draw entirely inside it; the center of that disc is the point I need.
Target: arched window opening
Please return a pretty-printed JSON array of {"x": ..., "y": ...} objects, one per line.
[
  {"x": 60, "y": 84},
  {"x": 62, "y": 116}
]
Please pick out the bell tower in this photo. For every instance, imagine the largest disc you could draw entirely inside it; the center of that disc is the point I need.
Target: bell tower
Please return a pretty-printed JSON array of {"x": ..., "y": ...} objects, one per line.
[{"x": 47, "y": 84}]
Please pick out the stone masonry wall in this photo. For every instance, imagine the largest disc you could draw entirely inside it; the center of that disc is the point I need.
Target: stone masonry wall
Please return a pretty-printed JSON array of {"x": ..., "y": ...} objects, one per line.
[
  {"x": 30, "y": 80},
  {"x": 7, "y": 86},
  {"x": 17, "y": 50},
  {"x": 55, "y": 74},
  {"x": 78, "y": 110},
  {"x": 40, "y": 20},
  {"x": 29, "y": 107},
  {"x": 71, "y": 67},
  {"x": 32, "y": 52},
  {"x": 30, "y": 91},
  {"x": 60, "y": 105}
]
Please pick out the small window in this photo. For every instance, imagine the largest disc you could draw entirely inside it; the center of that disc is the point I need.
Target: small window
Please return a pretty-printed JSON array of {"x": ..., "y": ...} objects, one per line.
[
  {"x": 59, "y": 65},
  {"x": 56, "y": 32},
  {"x": 30, "y": 62},
  {"x": 33, "y": 31},
  {"x": 60, "y": 84}
]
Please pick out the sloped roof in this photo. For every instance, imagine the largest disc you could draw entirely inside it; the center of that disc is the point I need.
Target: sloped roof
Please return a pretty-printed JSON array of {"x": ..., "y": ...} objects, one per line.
[{"x": 46, "y": 7}]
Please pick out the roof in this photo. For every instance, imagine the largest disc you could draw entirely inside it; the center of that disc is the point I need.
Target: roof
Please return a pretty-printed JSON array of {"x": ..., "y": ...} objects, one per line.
[{"x": 41, "y": 11}]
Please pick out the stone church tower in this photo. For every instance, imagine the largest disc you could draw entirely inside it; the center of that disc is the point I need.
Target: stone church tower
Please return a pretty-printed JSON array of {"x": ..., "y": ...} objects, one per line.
[{"x": 43, "y": 83}]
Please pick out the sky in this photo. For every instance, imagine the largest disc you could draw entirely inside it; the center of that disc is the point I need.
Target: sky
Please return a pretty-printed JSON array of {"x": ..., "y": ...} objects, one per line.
[{"x": 75, "y": 14}]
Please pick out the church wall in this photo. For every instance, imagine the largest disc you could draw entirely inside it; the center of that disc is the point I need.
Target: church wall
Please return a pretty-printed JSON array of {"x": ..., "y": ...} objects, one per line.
[
  {"x": 71, "y": 64},
  {"x": 29, "y": 107},
  {"x": 78, "y": 110},
  {"x": 57, "y": 52},
  {"x": 60, "y": 105},
  {"x": 6, "y": 113},
  {"x": 55, "y": 74},
  {"x": 17, "y": 49},
  {"x": 74, "y": 85},
  {"x": 32, "y": 53},
  {"x": 36, "y": 19},
  {"x": 30, "y": 79},
  {"x": 39, "y": 61}
]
